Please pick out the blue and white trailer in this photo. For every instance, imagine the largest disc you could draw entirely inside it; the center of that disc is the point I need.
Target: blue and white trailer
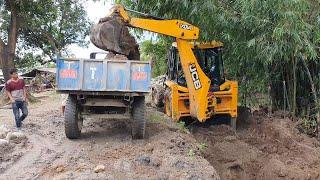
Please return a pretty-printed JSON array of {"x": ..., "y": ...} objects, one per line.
[{"x": 101, "y": 88}]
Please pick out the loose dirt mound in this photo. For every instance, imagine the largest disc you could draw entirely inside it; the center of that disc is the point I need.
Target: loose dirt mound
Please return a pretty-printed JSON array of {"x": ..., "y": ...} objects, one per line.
[{"x": 265, "y": 148}]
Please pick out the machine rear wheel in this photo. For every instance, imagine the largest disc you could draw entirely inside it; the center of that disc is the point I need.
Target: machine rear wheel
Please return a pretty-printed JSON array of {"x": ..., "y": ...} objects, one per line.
[
  {"x": 138, "y": 116},
  {"x": 72, "y": 120}
]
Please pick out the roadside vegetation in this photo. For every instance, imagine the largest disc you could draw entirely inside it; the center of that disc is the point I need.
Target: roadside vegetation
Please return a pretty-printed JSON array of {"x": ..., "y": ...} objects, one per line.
[{"x": 270, "y": 47}]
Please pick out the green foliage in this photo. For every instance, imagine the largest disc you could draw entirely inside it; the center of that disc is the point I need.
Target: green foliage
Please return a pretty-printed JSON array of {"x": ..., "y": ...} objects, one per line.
[
  {"x": 182, "y": 127},
  {"x": 55, "y": 24},
  {"x": 46, "y": 25},
  {"x": 264, "y": 40},
  {"x": 51, "y": 65},
  {"x": 309, "y": 122},
  {"x": 309, "y": 126},
  {"x": 28, "y": 61},
  {"x": 156, "y": 52},
  {"x": 202, "y": 147},
  {"x": 155, "y": 117},
  {"x": 191, "y": 153}
]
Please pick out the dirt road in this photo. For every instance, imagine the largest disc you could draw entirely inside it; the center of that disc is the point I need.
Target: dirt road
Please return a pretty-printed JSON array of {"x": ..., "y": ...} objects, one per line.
[
  {"x": 262, "y": 148},
  {"x": 166, "y": 153}
]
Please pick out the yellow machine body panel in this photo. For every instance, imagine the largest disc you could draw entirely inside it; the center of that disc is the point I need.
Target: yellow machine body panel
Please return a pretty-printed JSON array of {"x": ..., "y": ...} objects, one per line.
[
  {"x": 202, "y": 45},
  {"x": 198, "y": 83},
  {"x": 228, "y": 104}
]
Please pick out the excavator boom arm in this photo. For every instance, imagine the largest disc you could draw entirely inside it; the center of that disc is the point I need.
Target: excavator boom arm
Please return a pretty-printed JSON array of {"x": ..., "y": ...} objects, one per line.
[
  {"x": 198, "y": 83},
  {"x": 174, "y": 28}
]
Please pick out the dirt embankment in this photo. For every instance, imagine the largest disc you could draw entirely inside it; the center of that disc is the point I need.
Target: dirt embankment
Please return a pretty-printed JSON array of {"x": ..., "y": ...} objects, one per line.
[{"x": 262, "y": 148}]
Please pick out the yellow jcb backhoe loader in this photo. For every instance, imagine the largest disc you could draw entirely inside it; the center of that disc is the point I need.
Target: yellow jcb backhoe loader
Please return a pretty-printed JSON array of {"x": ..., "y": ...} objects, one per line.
[
  {"x": 195, "y": 83},
  {"x": 222, "y": 95}
]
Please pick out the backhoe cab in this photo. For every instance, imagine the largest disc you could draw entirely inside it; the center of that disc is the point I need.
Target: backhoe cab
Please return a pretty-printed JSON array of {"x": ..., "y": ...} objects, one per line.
[
  {"x": 223, "y": 93},
  {"x": 209, "y": 56}
]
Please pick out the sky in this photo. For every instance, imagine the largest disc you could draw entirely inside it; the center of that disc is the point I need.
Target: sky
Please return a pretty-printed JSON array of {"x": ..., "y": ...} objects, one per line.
[{"x": 95, "y": 11}]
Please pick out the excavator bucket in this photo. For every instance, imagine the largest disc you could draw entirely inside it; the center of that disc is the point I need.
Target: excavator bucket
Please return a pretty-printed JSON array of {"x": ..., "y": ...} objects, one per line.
[{"x": 111, "y": 34}]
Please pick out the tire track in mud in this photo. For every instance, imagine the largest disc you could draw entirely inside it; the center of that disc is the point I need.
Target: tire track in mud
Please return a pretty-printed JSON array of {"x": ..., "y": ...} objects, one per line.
[
  {"x": 44, "y": 144},
  {"x": 40, "y": 155},
  {"x": 49, "y": 154}
]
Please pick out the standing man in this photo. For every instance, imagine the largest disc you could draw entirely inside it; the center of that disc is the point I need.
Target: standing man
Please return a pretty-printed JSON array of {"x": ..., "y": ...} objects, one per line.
[{"x": 17, "y": 93}]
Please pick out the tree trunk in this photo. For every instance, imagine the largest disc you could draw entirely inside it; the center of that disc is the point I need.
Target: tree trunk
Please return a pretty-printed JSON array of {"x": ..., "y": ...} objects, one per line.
[
  {"x": 313, "y": 89},
  {"x": 7, "y": 52},
  {"x": 294, "y": 93},
  {"x": 7, "y": 62},
  {"x": 2, "y": 46}
]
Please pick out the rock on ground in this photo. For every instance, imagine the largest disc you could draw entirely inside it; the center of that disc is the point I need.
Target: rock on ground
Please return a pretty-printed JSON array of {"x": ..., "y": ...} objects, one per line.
[
  {"x": 4, "y": 147},
  {"x": 99, "y": 168},
  {"x": 3, "y": 131},
  {"x": 16, "y": 137},
  {"x": 3, "y": 143}
]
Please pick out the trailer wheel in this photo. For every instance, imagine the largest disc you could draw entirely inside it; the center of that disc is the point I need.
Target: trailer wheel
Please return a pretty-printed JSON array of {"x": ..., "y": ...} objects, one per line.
[
  {"x": 72, "y": 120},
  {"x": 138, "y": 116}
]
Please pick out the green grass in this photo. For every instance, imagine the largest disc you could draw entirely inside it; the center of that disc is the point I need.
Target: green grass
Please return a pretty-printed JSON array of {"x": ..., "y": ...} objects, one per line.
[
  {"x": 202, "y": 147},
  {"x": 156, "y": 117},
  {"x": 191, "y": 153},
  {"x": 182, "y": 127}
]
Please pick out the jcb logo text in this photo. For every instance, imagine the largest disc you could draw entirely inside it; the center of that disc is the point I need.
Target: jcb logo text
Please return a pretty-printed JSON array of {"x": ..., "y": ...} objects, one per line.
[{"x": 195, "y": 76}]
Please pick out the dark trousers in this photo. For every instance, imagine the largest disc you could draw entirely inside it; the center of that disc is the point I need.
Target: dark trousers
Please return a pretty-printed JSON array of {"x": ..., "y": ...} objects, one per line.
[{"x": 16, "y": 107}]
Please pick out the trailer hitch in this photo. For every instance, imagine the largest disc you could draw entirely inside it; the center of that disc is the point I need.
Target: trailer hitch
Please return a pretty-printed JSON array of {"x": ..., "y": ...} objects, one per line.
[{"x": 127, "y": 97}]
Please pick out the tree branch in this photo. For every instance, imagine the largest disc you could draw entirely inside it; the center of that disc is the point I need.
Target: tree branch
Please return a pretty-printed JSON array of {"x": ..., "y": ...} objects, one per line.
[
  {"x": 51, "y": 40},
  {"x": 51, "y": 60}
]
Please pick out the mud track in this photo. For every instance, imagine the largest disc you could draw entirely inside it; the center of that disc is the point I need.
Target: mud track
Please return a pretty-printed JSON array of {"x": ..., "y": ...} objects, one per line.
[
  {"x": 262, "y": 148},
  {"x": 48, "y": 154}
]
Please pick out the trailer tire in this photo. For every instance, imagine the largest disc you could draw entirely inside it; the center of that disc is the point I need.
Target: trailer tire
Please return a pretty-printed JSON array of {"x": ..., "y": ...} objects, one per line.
[
  {"x": 138, "y": 116},
  {"x": 72, "y": 120}
]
